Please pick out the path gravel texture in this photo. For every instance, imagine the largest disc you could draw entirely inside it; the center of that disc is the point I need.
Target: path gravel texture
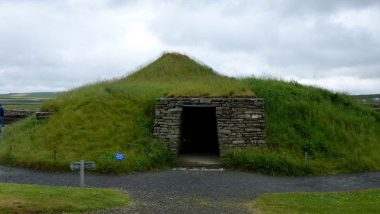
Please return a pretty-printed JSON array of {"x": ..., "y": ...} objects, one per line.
[{"x": 195, "y": 191}]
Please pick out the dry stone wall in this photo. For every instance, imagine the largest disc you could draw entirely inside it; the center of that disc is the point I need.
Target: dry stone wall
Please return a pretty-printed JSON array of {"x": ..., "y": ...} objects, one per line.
[
  {"x": 11, "y": 116},
  {"x": 240, "y": 120}
]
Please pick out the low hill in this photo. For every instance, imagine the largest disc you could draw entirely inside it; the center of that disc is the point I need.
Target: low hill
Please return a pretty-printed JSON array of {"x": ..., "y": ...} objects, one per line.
[{"x": 95, "y": 121}]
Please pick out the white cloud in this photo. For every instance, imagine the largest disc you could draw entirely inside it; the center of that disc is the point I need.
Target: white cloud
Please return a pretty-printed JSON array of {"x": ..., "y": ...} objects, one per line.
[
  {"x": 342, "y": 83},
  {"x": 57, "y": 45}
]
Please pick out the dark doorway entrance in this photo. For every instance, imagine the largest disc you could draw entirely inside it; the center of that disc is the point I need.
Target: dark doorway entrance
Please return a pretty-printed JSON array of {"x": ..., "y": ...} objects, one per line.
[{"x": 199, "y": 131}]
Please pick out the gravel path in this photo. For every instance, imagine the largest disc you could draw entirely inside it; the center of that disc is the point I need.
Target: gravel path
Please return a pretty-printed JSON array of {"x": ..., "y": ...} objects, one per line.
[{"x": 195, "y": 191}]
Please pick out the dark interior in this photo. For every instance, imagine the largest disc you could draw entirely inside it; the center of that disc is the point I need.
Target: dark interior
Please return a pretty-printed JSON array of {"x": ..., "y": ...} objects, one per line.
[{"x": 199, "y": 131}]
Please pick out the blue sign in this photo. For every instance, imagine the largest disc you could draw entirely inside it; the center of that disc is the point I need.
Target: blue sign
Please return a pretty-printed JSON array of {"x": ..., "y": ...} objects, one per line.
[
  {"x": 89, "y": 165},
  {"x": 119, "y": 156}
]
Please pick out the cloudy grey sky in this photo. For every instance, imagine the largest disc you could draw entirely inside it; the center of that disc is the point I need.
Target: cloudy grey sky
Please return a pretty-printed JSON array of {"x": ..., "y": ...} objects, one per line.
[{"x": 48, "y": 45}]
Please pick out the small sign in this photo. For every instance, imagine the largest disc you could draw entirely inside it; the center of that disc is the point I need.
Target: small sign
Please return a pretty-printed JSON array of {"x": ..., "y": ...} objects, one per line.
[
  {"x": 119, "y": 156},
  {"x": 75, "y": 166},
  {"x": 87, "y": 165}
]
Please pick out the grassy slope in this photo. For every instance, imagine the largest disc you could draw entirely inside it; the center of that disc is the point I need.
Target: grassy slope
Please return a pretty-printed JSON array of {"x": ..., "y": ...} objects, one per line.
[
  {"x": 363, "y": 201},
  {"x": 20, "y": 198},
  {"x": 332, "y": 128},
  {"x": 95, "y": 121}
]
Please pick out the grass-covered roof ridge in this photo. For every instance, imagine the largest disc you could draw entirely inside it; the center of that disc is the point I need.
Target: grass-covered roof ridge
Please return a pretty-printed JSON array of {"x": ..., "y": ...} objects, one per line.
[
  {"x": 95, "y": 121},
  {"x": 173, "y": 66},
  {"x": 175, "y": 74},
  {"x": 181, "y": 75}
]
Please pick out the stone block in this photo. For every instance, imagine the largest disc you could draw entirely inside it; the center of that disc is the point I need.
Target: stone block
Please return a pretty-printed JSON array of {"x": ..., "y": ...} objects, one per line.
[
  {"x": 238, "y": 141},
  {"x": 224, "y": 131}
]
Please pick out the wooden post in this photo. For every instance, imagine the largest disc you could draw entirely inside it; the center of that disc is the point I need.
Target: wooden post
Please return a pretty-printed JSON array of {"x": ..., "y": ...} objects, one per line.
[{"x": 81, "y": 181}]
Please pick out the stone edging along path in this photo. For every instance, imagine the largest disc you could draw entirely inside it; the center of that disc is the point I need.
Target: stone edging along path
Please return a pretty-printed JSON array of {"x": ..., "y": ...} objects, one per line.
[{"x": 191, "y": 191}]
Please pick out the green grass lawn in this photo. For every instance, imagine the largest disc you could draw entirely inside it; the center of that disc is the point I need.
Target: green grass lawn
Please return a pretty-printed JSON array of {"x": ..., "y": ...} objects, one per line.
[
  {"x": 20, "y": 198},
  {"x": 362, "y": 201}
]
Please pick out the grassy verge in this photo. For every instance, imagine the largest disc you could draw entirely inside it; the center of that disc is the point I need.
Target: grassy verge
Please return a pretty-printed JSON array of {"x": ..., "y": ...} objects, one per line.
[
  {"x": 264, "y": 160},
  {"x": 19, "y": 198},
  {"x": 363, "y": 201}
]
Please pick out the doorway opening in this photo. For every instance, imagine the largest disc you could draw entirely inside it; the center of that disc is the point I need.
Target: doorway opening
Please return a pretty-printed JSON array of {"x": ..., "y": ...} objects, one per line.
[{"x": 199, "y": 131}]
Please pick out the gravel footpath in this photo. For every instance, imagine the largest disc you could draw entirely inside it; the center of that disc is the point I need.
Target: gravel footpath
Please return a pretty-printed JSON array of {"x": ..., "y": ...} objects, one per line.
[{"x": 195, "y": 191}]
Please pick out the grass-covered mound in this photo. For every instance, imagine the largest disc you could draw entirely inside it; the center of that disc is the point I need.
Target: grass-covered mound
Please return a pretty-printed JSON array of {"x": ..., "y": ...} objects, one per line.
[{"x": 95, "y": 121}]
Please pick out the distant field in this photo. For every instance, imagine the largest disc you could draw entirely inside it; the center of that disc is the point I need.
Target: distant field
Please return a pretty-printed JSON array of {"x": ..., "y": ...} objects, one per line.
[
  {"x": 26, "y": 101},
  {"x": 372, "y": 100},
  {"x": 368, "y": 97}
]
